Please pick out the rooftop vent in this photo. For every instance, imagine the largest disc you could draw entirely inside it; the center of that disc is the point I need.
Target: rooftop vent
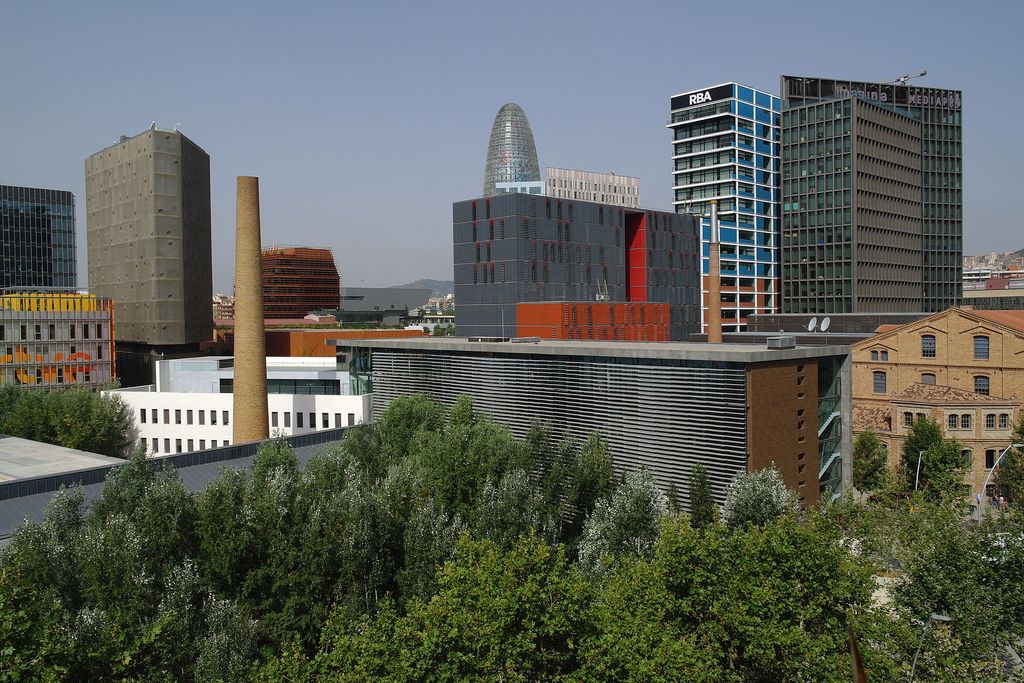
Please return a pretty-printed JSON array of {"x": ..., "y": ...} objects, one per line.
[{"x": 783, "y": 342}]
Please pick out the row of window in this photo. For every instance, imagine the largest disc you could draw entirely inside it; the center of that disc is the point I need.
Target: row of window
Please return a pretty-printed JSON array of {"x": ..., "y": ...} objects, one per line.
[
  {"x": 190, "y": 445},
  {"x": 286, "y": 421},
  {"x": 52, "y": 332},
  {"x": 190, "y": 415},
  {"x": 963, "y": 421},
  {"x": 981, "y": 346},
  {"x": 879, "y": 381}
]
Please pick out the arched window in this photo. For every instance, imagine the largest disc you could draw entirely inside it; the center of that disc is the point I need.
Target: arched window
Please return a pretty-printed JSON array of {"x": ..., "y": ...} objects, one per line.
[
  {"x": 965, "y": 421},
  {"x": 927, "y": 378},
  {"x": 990, "y": 421},
  {"x": 879, "y": 381},
  {"x": 953, "y": 421},
  {"x": 966, "y": 455},
  {"x": 981, "y": 347},
  {"x": 928, "y": 346},
  {"x": 1004, "y": 421},
  {"x": 990, "y": 458},
  {"x": 981, "y": 385},
  {"x": 908, "y": 419}
]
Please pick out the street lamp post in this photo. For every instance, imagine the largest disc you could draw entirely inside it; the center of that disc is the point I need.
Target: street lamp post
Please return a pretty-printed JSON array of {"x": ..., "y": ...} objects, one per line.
[
  {"x": 924, "y": 632},
  {"x": 917, "y": 477},
  {"x": 981, "y": 493}
]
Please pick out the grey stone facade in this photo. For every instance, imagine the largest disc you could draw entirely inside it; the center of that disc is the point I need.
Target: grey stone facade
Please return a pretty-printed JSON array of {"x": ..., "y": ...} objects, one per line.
[
  {"x": 518, "y": 248},
  {"x": 148, "y": 218}
]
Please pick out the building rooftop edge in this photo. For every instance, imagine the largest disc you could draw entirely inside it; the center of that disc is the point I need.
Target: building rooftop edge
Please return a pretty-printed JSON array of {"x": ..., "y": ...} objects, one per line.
[
  {"x": 719, "y": 85},
  {"x": 743, "y": 353}
]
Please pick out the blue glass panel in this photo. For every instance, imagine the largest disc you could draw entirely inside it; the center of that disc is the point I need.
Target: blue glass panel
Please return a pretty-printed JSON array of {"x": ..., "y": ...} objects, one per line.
[
  {"x": 764, "y": 100},
  {"x": 763, "y": 147},
  {"x": 763, "y": 115},
  {"x": 745, "y": 94},
  {"x": 764, "y": 193},
  {"x": 727, "y": 234},
  {"x": 764, "y": 255},
  {"x": 745, "y": 110},
  {"x": 776, "y": 104}
]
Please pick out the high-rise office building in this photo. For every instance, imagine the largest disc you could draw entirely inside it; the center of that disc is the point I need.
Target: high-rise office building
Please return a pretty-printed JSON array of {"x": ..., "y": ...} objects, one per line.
[
  {"x": 519, "y": 248},
  {"x": 606, "y": 188},
  {"x": 851, "y": 200},
  {"x": 297, "y": 280},
  {"x": 37, "y": 238},
  {"x": 725, "y": 146},
  {"x": 148, "y": 218},
  {"x": 511, "y": 152},
  {"x": 855, "y": 247}
]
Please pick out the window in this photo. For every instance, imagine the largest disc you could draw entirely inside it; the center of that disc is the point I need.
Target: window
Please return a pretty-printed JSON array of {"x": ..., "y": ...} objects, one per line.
[
  {"x": 324, "y": 421},
  {"x": 966, "y": 455},
  {"x": 213, "y": 417},
  {"x": 177, "y": 416},
  {"x": 177, "y": 445},
  {"x": 874, "y": 355},
  {"x": 351, "y": 419},
  {"x": 155, "y": 443},
  {"x": 928, "y": 346},
  {"x": 981, "y": 385},
  {"x": 990, "y": 458},
  {"x": 1004, "y": 421},
  {"x": 202, "y": 444},
  {"x": 990, "y": 421},
  {"x": 273, "y": 419},
  {"x": 167, "y": 416},
  {"x": 153, "y": 415},
  {"x": 99, "y": 330},
  {"x": 202, "y": 417},
  {"x": 927, "y": 378},
  {"x": 965, "y": 421},
  {"x": 213, "y": 443},
  {"x": 921, "y": 417},
  {"x": 953, "y": 421},
  {"x": 884, "y": 355},
  {"x": 337, "y": 420},
  {"x": 980, "y": 347},
  {"x": 142, "y": 416},
  {"x": 287, "y": 420},
  {"x": 39, "y": 332},
  {"x": 224, "y": 414},
  {"x": 167, "y": 445},
  {"x": 312, "y": 420},
  {"x": 908, "y": 419},
  {"x": 298, "y": 420},
  {"x": 879, "y": 381},
  {"x": 191, "y": 447},
  {"x": 188, "y": 418}
]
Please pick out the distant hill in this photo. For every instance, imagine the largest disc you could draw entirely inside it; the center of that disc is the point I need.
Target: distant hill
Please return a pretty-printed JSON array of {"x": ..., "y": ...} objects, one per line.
[{"x": 440, "y": 287}]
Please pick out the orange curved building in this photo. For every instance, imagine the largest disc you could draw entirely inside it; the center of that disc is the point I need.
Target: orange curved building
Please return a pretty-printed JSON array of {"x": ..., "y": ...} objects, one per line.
[{"x": 297, "y": 280}]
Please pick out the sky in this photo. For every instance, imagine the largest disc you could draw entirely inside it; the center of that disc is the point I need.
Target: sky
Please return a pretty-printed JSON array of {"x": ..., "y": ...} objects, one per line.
[{"x": 365, "y": 121}]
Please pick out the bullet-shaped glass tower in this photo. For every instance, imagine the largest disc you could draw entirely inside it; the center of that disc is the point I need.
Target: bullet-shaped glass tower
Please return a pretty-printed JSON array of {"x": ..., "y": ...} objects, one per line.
[{"x": 511, "y": 153}]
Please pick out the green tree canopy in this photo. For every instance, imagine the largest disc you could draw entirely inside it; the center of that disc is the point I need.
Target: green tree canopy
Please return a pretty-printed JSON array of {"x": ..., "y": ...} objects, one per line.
[
  {"x": 870, "y": 462},
  {"x": 74, "y": 418}
]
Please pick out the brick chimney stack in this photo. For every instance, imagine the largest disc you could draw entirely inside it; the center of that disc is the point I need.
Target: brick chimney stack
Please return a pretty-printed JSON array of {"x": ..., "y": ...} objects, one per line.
[
  {"x": 714, "y": 280},
  {"x": 250, "y": 381}
]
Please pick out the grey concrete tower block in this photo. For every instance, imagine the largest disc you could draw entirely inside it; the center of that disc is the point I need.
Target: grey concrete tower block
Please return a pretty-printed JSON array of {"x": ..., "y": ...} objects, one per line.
[{"x": 250, "y": 386}]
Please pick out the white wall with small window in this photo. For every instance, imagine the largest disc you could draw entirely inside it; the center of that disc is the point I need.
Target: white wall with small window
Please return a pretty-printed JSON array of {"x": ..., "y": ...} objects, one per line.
[{"x": 198, "y": 417}]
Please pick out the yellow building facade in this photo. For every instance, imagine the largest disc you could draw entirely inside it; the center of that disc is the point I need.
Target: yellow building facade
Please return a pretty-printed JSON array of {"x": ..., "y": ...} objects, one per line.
[{"x": 959, "y": 364}]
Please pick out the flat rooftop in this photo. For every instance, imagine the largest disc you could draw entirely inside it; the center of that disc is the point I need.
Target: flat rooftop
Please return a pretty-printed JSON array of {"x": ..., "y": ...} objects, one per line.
[
  {"x": 688, "y": 351},
  {"x": 25, "y": 459}
]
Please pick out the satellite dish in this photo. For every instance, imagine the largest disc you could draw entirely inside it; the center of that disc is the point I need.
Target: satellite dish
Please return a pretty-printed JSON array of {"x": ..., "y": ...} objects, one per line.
[
  {"x": 825, "y": 322},
  {"x": 812, "y": 324}
]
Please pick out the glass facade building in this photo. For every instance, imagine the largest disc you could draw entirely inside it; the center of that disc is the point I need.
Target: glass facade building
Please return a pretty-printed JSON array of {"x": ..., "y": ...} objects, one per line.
[
  {"x": 725, "y": 146},
  {"x": 511, "y": 152},
  {"x": 37, "y": 238},
  {"x": 938, "y": 113}
]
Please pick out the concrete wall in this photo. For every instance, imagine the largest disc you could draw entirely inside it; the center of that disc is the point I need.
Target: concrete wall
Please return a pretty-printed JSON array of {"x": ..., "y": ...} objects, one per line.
[{"x": 148, "y": 227}]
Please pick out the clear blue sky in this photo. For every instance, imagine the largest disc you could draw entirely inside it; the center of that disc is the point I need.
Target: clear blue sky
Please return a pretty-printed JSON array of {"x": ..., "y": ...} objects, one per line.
[{"x": 366, "y": 121}]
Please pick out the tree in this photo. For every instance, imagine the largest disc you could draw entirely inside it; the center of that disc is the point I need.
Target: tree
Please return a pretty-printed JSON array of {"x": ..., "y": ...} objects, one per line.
[
  {"x": 703, "y": 511},
  {"x": 757, "y": 498},
  {"x": 942, "y": 465},
  {"x": 870, "y": 462},
  {"x": 1010, "y": 474},
  {"x": 625, "y": 525},
  {"x": 74, "y": 418}
]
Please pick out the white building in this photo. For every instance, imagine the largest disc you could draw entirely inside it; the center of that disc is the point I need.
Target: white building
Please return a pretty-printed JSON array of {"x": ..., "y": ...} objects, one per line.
[
  {"x": 606, "y": 188},
  {"x": 190, "y": 406}
]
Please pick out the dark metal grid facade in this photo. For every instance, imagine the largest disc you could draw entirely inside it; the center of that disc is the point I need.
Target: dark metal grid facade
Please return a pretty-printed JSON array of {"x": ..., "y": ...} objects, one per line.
[
  {"x": 517, "y": 248},
  {"x": 37, "y": 238}
]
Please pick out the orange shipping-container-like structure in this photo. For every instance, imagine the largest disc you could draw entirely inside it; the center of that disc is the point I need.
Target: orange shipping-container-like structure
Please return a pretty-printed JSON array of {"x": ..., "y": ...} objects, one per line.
[
  {"x": 297, "y": 280},
  {"x": 593, "y": 320}
]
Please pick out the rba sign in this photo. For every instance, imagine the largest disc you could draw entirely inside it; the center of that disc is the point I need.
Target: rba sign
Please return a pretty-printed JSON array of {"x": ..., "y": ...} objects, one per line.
[
  {"x": 690, "y": 99},
  {"x": 700, "y": 97}
]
